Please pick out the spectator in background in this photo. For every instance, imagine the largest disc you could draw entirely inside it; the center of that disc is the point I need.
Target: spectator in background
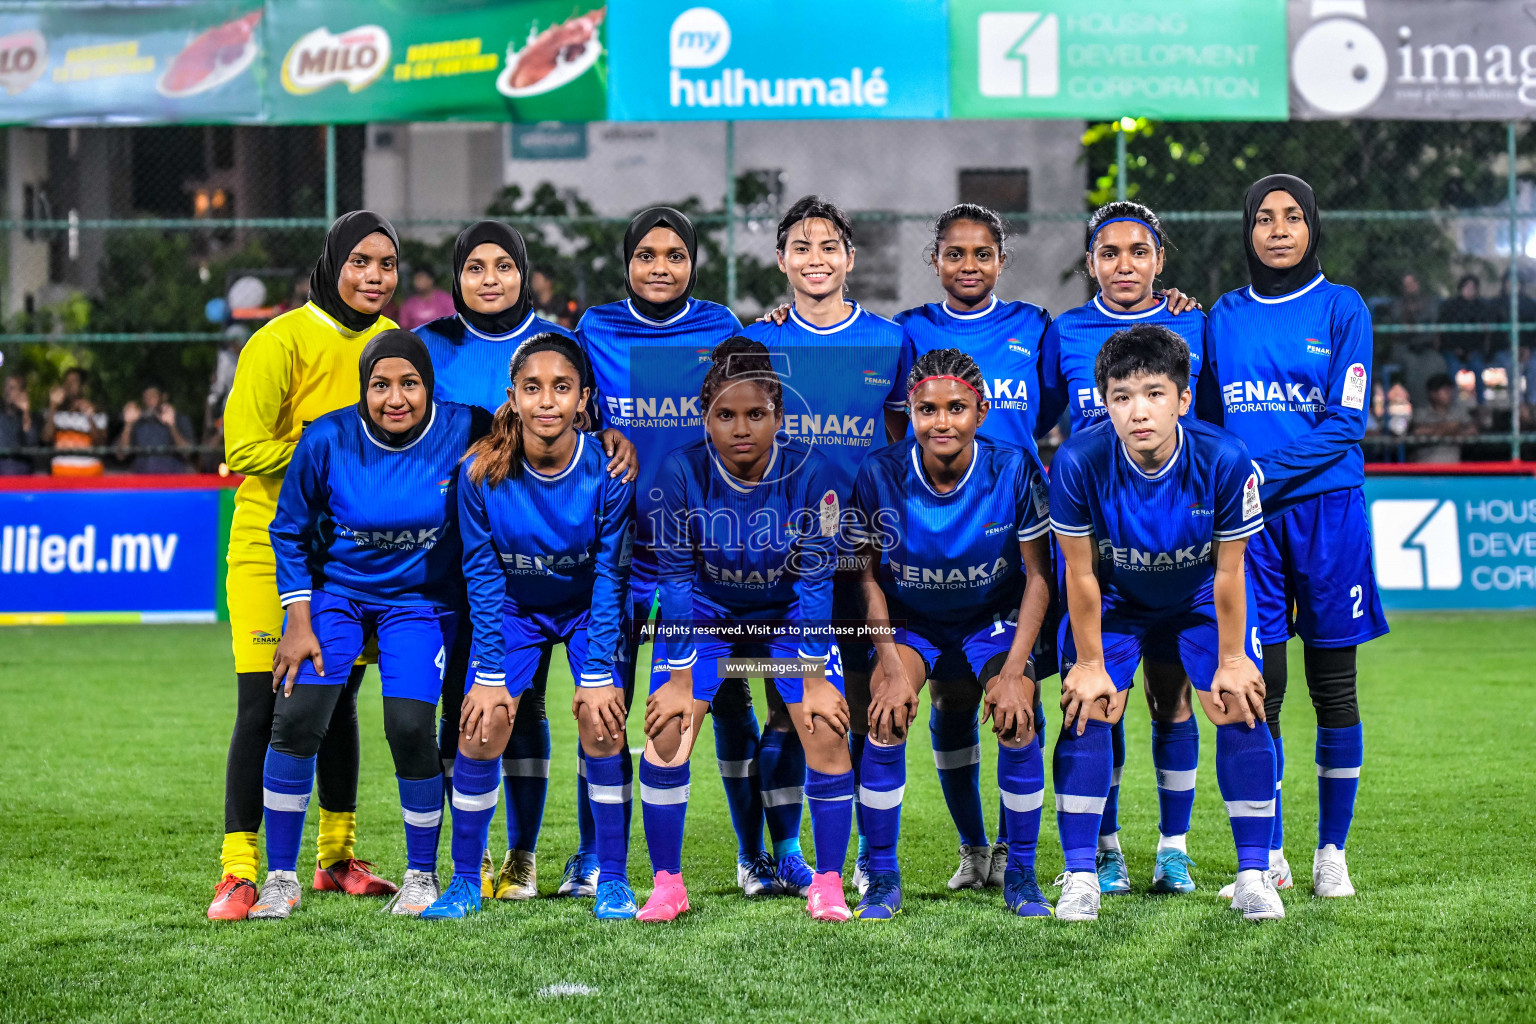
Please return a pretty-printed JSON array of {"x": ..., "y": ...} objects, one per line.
[
  {"x": 1415, "y": 354},
  {"x": 1412, "y": 306},
  {"x": 427, "y": 302},
  {"x": 1444, "y": 416},
  {"x": 155, "y": 424},
  {"x": 1466, "y": 350},
  {"x": 18, "y": 427},
  {"x": 562, "y": 309},
  {"x": 72, "y": 424}
]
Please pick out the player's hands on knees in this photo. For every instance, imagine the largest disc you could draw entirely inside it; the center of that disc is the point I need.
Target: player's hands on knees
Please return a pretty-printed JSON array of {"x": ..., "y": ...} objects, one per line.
[
  {"x": 820, "y": 699},
  {"x": 892, "y": 705},
  {"x": 1178, "y": 302},
  {"x": 604, "y": 706},
  {"x": 673, "y": 700},
  {"x": 1238, "y": 688},
  {"x": 485, "y": 708},
  {"x": 298, "y": 644},
  {"x": 1009, "y": 702},
  {"x": 621, "y": 454},
  {"x": 1086, "y": 684}
]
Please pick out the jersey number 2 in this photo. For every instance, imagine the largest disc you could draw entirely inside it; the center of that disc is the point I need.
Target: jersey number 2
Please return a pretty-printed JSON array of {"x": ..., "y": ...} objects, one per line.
[{"x": 1358, "y": 593}]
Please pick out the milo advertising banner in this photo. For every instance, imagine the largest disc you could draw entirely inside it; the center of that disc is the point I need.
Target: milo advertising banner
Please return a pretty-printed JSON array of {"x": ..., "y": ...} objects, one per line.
[
  {"x": 125, "y": 64},
  {"x": 543, "y": 60}
]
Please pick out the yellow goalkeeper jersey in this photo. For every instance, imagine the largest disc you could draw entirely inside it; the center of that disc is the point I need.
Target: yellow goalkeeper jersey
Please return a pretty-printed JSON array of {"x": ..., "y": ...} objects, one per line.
[{"x": 300, "y": 366}]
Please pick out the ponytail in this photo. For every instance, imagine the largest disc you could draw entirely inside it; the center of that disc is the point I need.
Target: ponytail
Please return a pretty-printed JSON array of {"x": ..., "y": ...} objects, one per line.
[{"x": 499, "y": 454}]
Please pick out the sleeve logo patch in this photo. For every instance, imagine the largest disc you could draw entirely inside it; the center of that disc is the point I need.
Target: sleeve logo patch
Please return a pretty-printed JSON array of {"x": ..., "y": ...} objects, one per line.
[
  {"x": 1041, "y": 498},
  {"x": 1251, "y": 505},
  {"x": 1355, "y": 379},
  {"x": 830, "y": 514}
]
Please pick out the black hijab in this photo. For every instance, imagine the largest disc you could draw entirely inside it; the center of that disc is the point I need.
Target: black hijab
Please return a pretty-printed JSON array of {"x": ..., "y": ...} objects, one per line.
[
  {"x": 324, "y": 280},
  {"x": 644, "y": 221},
  {"x": 504, "y": 235},
  {"x": 1267, "y": 280},
  {"x": 400, "y": 344}
]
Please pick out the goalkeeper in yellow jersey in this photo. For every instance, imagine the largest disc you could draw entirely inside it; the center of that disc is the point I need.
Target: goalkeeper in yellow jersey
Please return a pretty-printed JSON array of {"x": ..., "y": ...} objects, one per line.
[{"x": 300, "y": 366}]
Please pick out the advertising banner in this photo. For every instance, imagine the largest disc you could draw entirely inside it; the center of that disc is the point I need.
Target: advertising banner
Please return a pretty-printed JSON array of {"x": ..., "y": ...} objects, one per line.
[
  {"x": 1448, "y": 542},
  {"x": 67, "y": 555},
  {"x": 540, "y": 60},
  {"x": 1196, "y": 60},
  {"x": 149, "y": 62},
  {"x": 790, "y": 59},
  {"x": 1413, "y": 59}
]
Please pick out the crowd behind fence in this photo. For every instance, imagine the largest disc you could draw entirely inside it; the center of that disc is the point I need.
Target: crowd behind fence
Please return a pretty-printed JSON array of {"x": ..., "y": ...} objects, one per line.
[{"x": 1435, "y": 225}]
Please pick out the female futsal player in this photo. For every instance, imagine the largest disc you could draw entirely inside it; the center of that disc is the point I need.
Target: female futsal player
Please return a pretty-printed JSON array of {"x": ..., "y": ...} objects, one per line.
[
  {"x": 645, "y": 351},
  {"x": 1126, "y": 250},
  {"x": 297, "y": 368},
  {"x": 547, "y": 534},
  {"x": 747, "y": 547},
  {"x": 367, "y": 545},
  {"x": 953, "y": 526},
  {"x": 493, "y": 315}
]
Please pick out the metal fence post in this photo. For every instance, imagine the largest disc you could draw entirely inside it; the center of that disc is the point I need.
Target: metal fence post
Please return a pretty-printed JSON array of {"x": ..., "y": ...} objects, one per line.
[
  {"x": 1515, "y": 303},
  {"x": 330, "y": 174},
  {"x": 730, "y": 215},
  {"x": 1119, "y": 161}
]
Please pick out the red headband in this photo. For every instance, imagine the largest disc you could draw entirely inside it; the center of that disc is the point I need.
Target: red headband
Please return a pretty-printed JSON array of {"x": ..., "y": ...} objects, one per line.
[{"x": 944, "y": 376}]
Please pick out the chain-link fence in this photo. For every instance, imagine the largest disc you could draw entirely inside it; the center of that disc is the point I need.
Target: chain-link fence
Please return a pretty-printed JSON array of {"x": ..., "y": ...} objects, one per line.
[{"x": 143, "y": 257}]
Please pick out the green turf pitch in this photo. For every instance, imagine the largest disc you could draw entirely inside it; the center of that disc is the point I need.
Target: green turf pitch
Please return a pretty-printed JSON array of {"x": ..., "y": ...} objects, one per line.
[{"x": 112, "y": 748}]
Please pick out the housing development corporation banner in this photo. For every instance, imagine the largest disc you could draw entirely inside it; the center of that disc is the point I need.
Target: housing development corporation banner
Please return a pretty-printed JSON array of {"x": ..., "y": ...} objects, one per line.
[
  {"x": 1199, "y": 59},
  {"x": 1448, "y": 542}
]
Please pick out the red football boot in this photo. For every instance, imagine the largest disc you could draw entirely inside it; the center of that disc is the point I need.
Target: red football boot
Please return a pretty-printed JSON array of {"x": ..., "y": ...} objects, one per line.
[
  {"x": 354, "y": 878},
  {"x": 232, "y": 899}
]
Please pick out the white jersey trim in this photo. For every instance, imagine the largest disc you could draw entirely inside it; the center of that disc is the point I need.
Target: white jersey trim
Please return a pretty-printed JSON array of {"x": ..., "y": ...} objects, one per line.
[
  {"x": 917, "y": 467},
  {"x": 527, "y": 322},
  {"x": 975, "y": 315},
  {"x": 431, "y": 419},
  {"x": 674, "y": 318},
  {"x": 581, "y": 446},
  {"x": 1070, "y": 531},
  {"x": 740, "y": 486},
  {"x": 835, "y": 328},
  {"x": 1248, "y": 530},
  {"x": 1178, "y": 450},
  {"x": 1270, "y": 300},
  {"x": 1162, "y": 306}
]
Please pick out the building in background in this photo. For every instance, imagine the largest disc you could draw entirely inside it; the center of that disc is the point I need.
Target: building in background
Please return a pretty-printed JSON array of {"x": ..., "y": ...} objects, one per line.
[{"x": 437, "y": 171}]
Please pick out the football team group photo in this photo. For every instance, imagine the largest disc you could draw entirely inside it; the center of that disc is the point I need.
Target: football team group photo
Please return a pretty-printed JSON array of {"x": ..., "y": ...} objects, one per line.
[{"x": 889, "y": 510}]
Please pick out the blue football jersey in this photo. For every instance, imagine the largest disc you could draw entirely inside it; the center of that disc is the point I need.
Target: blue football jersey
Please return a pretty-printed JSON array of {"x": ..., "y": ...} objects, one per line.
[
  {"x": 648, "y": 374},
  {"x": 1005, "y": 340},
  {"x": 548, "y": 543},
  {"x": 471, "y": 367},
  {"x": 838, "y": 382},
  {"x": 370, "y": 523},
  {"x": 1293, "y": 375},
  {"x": 952, "y": 558},
  {"x": 745, "y": 551},
  {"x": 1071, "y": 347},
  {"x": 1154, "y": 532}
]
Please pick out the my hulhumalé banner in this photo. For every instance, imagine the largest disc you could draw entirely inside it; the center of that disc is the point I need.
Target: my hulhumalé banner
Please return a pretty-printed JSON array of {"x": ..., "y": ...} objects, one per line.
[
  {"x": 1098, "y": 59},
  {"x": 130, "y": 63},
  {"x": 538, "y": 60},
  {"x": 789, "y": 59}
]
